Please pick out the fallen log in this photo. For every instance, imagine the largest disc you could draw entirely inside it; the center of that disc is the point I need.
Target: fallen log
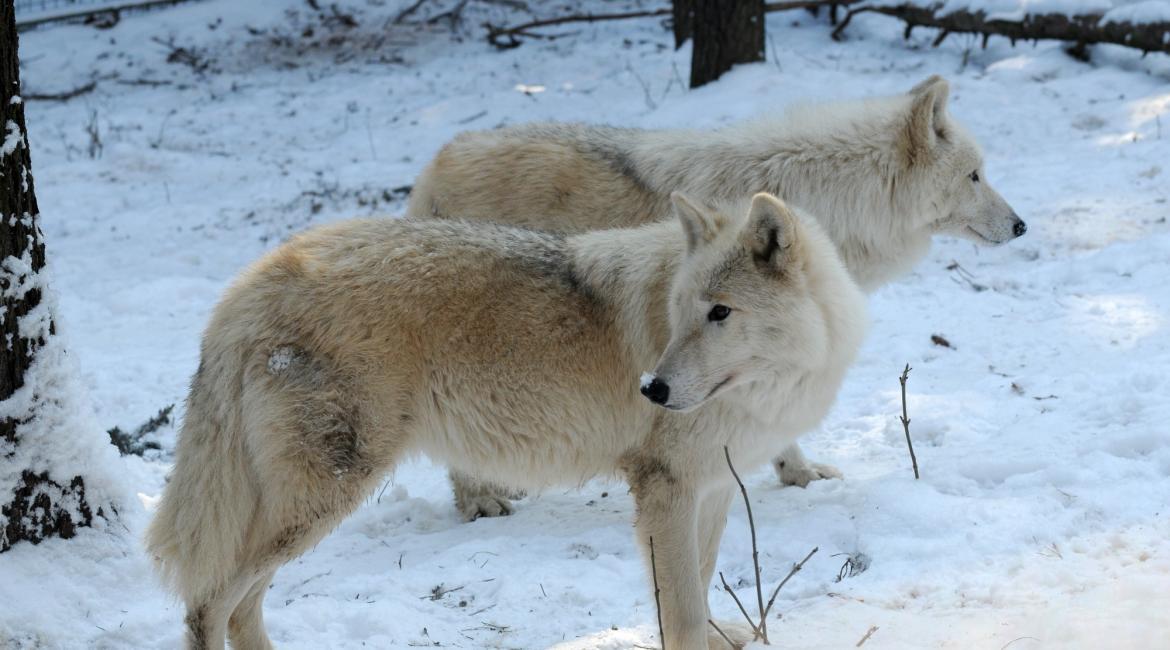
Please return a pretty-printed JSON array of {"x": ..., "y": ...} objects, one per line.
[{"x": 1081, "y": 30}]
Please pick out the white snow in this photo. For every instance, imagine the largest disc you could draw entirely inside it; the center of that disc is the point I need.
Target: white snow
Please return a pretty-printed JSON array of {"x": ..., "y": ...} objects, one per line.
[
  {"x": 12, "y": 138},
  {"x": 1041, "y": 519},
  {"x": 1147, "y": 11}
]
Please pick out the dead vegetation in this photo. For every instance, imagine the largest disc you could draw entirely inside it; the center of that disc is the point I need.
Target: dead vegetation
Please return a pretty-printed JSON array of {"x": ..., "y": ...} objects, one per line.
[
  {"x": 761, "y": 627},
  {"x": 140, "y": 440}
]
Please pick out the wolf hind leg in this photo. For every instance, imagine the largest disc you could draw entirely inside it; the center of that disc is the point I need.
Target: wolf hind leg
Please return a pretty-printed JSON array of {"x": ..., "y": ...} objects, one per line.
[
  {"x": 792, "y": 468},
  {"x": 207, "y": 617},
  {"x": 315, "y": 458},
  {"x": 246, "y": 624},
  {"x": 295, "y": 520},
  {"x": 475, "y": 498}
]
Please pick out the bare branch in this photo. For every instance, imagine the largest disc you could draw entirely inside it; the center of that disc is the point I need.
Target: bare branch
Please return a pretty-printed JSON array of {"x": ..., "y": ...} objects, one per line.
[
  {"x": 763, "y": 627},
  {"x": 452, "y": 15},
  {"x": 657, "y": 601},
  {"x": 731, "y": 643},
  {"x": 872, "y": 629},
  {"x": 906, "y": 419},
  {"x": 497, "y": 34},
  {"x": 408, "y": 11},
  {"x": 742, "y": 609},
  {"x": 795, "y": 568},
  {"x": 61, "y": 96}
]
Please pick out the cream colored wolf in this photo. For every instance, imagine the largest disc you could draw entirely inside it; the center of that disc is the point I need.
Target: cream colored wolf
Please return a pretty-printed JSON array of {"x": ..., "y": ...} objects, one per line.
[
  {"x": 882, "y": 175},
  {"x": 510, "y": 353}
]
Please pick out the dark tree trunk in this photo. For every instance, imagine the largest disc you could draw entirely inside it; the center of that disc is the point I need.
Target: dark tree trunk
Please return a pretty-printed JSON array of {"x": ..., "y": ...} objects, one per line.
[
  {"x": 726, "y": 32},
  {"x": 683, "y": 17},
  {"x": 32, "y": 511}
]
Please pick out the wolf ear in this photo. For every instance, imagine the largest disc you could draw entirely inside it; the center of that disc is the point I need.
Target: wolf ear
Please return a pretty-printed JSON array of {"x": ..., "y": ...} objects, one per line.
[
  {"x": 698, "y": 224},
  {"x": 927, "y": 121},
  {"x": 770, "y": 233}
]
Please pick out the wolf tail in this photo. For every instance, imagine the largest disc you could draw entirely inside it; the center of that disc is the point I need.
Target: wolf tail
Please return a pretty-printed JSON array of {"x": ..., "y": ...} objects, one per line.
[{"x": 197, "y": 536}]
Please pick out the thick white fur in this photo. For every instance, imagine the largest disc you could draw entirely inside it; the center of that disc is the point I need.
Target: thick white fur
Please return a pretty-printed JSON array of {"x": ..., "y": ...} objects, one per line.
[
  {"x": 509, "y": 354},
  {"x": 881, "y": 175}
]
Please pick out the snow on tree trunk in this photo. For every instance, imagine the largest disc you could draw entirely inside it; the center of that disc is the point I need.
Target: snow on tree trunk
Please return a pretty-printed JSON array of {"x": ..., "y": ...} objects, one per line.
[
  {"x": 45, "y": 445},
  {"x": 725, "y": 32}
]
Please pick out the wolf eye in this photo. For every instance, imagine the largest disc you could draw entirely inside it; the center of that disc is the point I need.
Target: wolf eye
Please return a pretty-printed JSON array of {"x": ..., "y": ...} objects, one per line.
[
  {"x": 718, "y": 313},
  {"x": 975, "y": 176}
]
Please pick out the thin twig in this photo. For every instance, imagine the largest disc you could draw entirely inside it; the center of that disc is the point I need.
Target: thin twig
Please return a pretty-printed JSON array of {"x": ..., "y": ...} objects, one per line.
[
  {"x": 731, "y": 643},
  {"x": 61, "y": 96},
  {"x": 408, "y": 11},
  {"x": 795, "y": 568},
  {"x": 453, "y": 15},
  {"x": 496, "y": 32},
  {"x": 763, "y": 628},
  {"x": 1020, "y": 638},
  {"x": 872, "y": 629},
  {"x": 143, "y": 82},
  {"x": 657, "y": 602},
  {"x": 645, "y": 87},
  {"x": 906, "y": 419},
  {"x": 742, "y": 609}
]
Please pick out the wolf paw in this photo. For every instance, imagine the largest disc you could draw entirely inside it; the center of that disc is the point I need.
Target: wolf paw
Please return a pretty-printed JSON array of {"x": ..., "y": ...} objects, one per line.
[
  {"x": 801, "y": 474},
  {"x": 514, "y": 494},
  {"x": 739, "y": 634},
  {"x": 484, "y": 505}
]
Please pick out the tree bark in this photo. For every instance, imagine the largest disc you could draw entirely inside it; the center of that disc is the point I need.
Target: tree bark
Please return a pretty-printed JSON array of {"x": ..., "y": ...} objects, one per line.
[
  {"x": 683, "y": 19},
  {"x": 726, "y": 32},
  {"x": 1081, "y": 29},
  {"x": 32, "y": 511}
]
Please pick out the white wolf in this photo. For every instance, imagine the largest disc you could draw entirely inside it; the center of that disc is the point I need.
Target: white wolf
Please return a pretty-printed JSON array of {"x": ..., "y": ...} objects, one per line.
[
  {"x": 512, "y": 353},
  {"x": 883, "y": 176}
]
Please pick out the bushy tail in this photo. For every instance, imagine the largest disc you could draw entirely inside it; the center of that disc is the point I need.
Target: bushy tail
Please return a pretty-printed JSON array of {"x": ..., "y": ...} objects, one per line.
[{"x": 198, "y": 534}]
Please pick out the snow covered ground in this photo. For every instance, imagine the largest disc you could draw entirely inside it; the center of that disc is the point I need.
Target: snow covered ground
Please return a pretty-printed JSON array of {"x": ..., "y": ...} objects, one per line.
[{"x": 1041, "y": 519}]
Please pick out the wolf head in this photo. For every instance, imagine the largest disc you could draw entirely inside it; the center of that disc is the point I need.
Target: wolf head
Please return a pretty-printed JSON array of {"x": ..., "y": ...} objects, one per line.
[
  {"x": 945, "y": 166},
  {"x": 744, "y": 305}
]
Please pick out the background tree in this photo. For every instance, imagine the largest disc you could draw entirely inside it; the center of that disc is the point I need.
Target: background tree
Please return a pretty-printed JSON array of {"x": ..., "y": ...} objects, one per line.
[
  {"x": 725, "y": 32},
  {"x": 36, "y": 500},
  {"x": 682, "y": 17}
]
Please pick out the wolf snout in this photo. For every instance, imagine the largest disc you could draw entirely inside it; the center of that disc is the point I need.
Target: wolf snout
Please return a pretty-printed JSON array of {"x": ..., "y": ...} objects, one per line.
[
  {"x": 656, "y": 391},
  {"x": 1018, "y": 227}
]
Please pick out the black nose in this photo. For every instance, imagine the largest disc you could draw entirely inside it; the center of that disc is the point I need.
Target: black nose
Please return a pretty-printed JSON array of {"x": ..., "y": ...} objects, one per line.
[
  {"x": 1020, "y": 228},
  {"x": 656, "y": 391}
]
